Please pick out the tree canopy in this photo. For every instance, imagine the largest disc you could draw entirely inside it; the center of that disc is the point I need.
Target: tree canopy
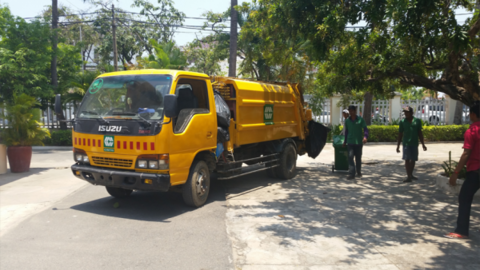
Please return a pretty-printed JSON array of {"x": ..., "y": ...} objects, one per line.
[{"x": 399, "y": 43}]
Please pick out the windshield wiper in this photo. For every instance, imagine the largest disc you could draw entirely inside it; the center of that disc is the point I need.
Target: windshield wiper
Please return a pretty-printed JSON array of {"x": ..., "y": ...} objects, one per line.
[
  {"x": 143, "y": 120},
  {"x": 103, "y": 121}
]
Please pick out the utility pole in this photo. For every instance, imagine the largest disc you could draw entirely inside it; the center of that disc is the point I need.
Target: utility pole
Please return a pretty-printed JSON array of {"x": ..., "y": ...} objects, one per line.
[
  {"x": 232, "y": 68},
  {"x": 81, "y": 51},
  {"x": 53, "y": 65},
  {"x": 54, "y": 43},
  {"x": 114, "y": 27}
]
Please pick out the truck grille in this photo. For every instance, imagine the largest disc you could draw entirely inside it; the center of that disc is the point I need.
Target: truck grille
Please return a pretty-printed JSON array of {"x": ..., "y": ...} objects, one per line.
[{"x": 115, "y": 162}]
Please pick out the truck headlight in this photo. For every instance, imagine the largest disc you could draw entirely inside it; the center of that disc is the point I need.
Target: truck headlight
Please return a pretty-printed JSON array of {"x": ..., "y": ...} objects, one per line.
[
  {"x": 153, "y": 162},
  {"x": 78, "y": 157},
  {"x": 142, "y": 164}
]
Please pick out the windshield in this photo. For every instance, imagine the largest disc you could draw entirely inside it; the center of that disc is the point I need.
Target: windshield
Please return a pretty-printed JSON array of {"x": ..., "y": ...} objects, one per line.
[{"x": 126, "y": 97}]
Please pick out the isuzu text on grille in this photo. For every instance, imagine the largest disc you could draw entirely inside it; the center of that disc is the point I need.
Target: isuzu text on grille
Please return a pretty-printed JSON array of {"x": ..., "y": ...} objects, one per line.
[{"x": 110, "y": 128}]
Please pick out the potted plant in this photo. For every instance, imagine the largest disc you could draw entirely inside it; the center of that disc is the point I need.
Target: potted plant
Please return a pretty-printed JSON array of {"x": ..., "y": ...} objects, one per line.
[
  {"x": 442, "y": 180},
  {"x": 3, "y": 155},
  {"x": 23, "y": 131}
]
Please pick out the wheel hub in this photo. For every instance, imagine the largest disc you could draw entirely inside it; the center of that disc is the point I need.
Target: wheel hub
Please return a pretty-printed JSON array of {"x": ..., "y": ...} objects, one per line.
[{"x": 200, "y": 184}]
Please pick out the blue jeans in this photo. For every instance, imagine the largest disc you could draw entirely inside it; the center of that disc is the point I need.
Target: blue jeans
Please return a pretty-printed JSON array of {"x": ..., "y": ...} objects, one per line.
[{"x": 355, "y": 151}]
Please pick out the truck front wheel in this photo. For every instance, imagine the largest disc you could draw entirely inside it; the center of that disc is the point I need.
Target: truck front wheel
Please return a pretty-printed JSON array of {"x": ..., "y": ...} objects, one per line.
[
  {"x": 195, "y": 190},
  {"x": 287, "y": 167},
  {"x": 119, "y": 192}
]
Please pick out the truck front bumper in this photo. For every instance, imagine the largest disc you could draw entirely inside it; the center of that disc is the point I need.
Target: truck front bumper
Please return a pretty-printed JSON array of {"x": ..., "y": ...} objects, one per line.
[{"x": 122, "y": 179}]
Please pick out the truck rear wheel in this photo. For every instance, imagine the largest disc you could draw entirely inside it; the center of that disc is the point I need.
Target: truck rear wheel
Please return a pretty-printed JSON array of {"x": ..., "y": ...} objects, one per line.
[
  {"x": 119, "y": 192},
  {"x": 195, "y": 190},
  {"x": 287, "y": 168}
]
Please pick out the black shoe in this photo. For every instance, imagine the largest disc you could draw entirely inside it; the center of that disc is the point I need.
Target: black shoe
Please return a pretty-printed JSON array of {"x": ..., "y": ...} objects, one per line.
[
  {"x": 351, "y": 177},
  {"x": 414, "y": 178},
  {"x": 359, "y": 175},
  {"x": 408, "y": 180}
]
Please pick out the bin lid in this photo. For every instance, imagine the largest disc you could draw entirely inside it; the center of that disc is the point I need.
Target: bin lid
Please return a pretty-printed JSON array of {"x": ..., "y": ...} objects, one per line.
[{"x": 338, "y": 140}]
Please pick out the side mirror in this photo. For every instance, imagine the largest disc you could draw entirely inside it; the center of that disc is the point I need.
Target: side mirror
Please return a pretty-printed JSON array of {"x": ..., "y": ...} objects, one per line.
[
  {"x": 58, "y": 104},
  {"x": 170, "y": 106}
]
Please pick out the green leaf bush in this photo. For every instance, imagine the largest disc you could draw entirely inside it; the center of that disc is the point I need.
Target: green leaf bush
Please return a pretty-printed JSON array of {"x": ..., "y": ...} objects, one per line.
[
  {"x": 430, "y": 133},
  {"x": 59, "y": 138},
  {"x": 23, "y": 120}
]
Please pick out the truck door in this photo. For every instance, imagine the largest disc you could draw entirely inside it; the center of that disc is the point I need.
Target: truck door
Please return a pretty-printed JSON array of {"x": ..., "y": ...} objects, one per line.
[{"x": 195, "y": 128}]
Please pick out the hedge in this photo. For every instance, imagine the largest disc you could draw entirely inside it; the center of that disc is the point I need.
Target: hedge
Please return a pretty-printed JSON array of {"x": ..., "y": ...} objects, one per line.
[
  {"x": 59, "y": 138},
  {"x": 376, "y": 134},
  {"x": 430, "y": 133}
]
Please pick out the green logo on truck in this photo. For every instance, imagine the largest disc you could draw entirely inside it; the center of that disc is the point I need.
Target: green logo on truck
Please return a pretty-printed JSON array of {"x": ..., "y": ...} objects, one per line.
[
  {"x": 268, "y": 114},
  {"x": 108, "y": 143}
]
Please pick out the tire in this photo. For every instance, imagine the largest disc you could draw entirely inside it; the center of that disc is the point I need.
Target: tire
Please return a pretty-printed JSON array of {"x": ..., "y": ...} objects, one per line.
[
  {"x": 287, "y": 168},
  {"x": 434, "y": 120},
  {"x": 119, "y": 192},
  {"x": 195, "y": 190}
]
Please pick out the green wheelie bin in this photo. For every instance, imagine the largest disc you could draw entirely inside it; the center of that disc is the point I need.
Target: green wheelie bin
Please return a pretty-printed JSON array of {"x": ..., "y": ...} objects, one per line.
[{"x": 341, "y": 154}]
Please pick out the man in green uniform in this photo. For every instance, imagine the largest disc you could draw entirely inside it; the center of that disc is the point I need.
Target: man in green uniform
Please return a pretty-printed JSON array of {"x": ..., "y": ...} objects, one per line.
[
  {"x": 410, "y": 131},
  {"x": 355, "y": 138}
]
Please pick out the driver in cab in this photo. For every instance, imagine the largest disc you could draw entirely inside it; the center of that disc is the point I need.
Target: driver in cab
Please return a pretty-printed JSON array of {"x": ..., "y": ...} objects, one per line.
[{"x": 142, "y": 96}]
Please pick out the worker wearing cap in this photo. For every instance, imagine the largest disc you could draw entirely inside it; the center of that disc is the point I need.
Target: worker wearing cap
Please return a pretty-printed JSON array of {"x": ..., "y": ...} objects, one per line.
[
  {"x": 345, "y": 116},
  {"x": 355, "y": 138},
  {"x": 410, "y": 131}
]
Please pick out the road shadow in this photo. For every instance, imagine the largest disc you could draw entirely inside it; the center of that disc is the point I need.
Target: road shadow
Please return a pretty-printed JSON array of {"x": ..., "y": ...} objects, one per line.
[
  {"x": 377, "y": 217},
  {"x": 147, "y": 206},
  {"x": 10, "y": 177}
]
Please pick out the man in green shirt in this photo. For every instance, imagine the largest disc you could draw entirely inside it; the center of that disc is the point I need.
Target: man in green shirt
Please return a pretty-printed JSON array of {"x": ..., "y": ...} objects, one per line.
[
  {"x": 355, "y": 138},
  {"x": 410, "y": 131}
]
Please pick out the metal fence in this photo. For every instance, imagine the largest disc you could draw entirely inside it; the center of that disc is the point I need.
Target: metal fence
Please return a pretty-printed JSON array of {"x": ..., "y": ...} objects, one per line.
[
  {"x": 432, "y": 111},
  {"x": 380, "y": 111},
  {"x": 465, "y": 115},
  {"x": 324, "y": 117},
  {"x": 48, "y": 118}
]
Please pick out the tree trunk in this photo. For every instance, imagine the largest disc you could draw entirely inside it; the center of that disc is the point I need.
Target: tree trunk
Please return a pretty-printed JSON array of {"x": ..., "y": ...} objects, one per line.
[
  {"x": 457, "y": 118},
  {"x": 232, "y": 68},
  {"x": 367, "y": 111},
  {"x": 60, "y": 116}
]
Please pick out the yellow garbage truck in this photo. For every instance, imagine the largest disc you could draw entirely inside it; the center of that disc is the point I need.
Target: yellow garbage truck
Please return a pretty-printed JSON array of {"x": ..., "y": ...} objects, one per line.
[{"x": 170, "y": 130}]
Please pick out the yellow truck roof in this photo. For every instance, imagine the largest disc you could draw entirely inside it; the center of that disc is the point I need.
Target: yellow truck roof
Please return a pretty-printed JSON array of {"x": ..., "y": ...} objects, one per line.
[{"x": 174, "y": 73}]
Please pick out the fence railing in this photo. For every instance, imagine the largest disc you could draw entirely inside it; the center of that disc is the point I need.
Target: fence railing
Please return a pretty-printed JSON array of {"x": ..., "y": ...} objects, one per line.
[
  {"x": 380, "y": 111},
  {"x": 48, "y": 118},
  {"x": 432, "y": 111},
  {"x": 465, "y": 115}
]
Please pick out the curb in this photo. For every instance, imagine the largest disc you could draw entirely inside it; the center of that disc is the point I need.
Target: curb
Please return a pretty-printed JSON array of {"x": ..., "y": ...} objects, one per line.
[
  {"x": 50, "y": 148},
  {"x": 426, "y": 143}
]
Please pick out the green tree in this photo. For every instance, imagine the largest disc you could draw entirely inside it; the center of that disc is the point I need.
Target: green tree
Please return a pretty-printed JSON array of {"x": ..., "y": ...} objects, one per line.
[
  {"x": 166, "y": 17},
  {"x": 405, "y": 43},
  {"x": 205, "y": 56},
  {"x": 167, "y": 56},
  {"x": 25, "y": 55},
  {"x": 286, "y": 61}
]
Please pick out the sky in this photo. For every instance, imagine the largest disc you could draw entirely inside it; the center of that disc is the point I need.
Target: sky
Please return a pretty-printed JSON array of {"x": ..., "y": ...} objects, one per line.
[{"x": 192, "y": 8}]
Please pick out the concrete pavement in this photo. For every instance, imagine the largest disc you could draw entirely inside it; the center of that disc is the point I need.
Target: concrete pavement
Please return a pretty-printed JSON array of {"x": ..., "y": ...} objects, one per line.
[
  {"x": 319, "y": 220},
  {"x": 52, "y": 220},
  {"x": 24, "y": 194}
]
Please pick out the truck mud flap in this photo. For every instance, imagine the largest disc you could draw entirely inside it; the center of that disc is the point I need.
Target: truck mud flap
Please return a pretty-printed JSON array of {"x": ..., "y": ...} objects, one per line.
[{"x": 316, "y": 139}]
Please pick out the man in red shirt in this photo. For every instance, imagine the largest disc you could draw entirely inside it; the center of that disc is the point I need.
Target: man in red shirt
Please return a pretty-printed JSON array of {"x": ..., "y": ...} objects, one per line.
[{"x": 471, "y": 157}]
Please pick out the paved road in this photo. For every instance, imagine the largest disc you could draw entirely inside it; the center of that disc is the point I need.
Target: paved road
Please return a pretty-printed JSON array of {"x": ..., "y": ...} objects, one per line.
[
  {"x": 316, "y": 221},
  {"x": 85, "y": 229}
]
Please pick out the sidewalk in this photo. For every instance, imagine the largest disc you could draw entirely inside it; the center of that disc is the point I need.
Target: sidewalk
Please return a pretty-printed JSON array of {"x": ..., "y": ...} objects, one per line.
[{"x": 319, "y": 220}]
